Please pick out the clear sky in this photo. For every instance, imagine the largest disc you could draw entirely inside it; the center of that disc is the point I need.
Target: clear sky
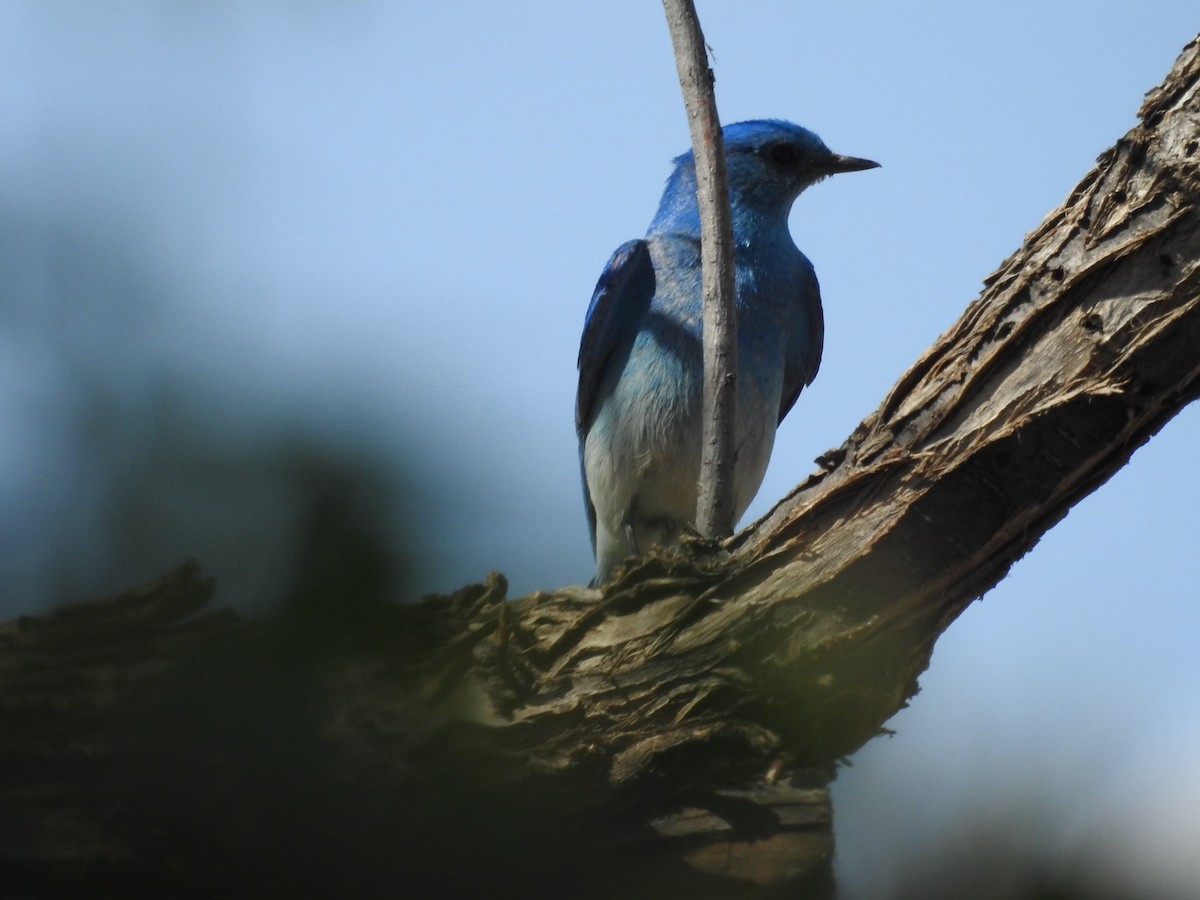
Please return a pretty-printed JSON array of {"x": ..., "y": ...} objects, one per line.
[{"x": 382, "y": 222}]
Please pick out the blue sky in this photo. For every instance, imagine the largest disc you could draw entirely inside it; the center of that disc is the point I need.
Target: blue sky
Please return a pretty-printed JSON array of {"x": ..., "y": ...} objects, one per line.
[{"x": 385, "y": 221}]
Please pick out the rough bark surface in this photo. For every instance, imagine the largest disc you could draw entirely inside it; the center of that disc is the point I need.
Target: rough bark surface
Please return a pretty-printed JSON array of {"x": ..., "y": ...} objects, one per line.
[{"x": 672, "y": 735}]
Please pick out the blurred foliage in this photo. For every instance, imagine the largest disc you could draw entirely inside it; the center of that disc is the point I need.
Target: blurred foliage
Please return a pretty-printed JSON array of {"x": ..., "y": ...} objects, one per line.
[{"x": 124, "y": 458}]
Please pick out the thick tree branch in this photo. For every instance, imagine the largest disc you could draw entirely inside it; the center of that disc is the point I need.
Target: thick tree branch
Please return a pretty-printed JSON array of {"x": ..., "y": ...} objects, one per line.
[
  {"x": 715, "y": 503},
  {"x": 677, "y": 729}
]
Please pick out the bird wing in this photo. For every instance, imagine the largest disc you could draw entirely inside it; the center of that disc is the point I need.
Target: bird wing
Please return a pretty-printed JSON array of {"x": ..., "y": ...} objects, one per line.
[
  {"x": 804, "y": 353},
  {"x": 625, "y": 289},
  {"x": 622, "y": 294}
]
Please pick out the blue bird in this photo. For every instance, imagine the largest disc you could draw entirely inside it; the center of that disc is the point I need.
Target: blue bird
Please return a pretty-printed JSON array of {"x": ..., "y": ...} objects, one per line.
[{"x": 638, "y": 409}]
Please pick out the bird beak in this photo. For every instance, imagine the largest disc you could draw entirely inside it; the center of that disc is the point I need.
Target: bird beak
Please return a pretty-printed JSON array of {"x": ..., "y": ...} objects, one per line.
[{"x": 838, "y": 163}]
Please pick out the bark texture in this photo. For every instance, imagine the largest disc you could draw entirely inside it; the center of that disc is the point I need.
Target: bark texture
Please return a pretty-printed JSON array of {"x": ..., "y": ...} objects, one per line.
[{"x": 672, "y": 735}]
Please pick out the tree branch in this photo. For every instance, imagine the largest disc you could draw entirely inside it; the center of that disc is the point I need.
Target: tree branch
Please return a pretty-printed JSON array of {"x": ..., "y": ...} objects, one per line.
[
  {"x": 715, "y": 503},
  {"x": 674, "y": 733}
]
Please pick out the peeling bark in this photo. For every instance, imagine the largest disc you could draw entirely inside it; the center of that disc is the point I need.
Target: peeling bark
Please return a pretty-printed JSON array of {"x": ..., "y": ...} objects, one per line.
[{"x": 674, "y": 733}]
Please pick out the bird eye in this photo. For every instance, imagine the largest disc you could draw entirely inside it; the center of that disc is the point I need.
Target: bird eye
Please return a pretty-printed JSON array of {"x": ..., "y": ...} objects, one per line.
[{"x": 781, "y": 154}]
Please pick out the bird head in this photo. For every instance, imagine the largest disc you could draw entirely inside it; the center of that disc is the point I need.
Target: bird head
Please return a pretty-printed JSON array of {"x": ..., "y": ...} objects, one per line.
[{"x": 768, "y": 162}]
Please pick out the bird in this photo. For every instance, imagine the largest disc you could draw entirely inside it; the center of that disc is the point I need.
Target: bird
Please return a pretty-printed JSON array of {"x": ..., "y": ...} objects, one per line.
[{"x": 638, "y": 410}]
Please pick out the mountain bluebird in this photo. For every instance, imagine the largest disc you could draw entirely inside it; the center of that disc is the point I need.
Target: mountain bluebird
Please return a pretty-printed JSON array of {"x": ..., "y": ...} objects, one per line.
[{"x": 638, "y": 410}]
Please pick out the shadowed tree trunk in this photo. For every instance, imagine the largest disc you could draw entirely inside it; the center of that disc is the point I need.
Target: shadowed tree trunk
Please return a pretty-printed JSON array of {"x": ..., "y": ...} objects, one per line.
[{"x": 674, "y": 734}]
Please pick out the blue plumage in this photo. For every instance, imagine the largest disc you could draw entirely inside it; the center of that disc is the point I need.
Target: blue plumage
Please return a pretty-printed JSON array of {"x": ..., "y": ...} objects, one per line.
[{"x": 638, "y": 409}]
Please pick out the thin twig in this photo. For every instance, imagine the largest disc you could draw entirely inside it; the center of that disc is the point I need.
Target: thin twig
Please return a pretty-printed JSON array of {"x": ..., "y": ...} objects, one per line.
[{"x": 715, "y": 504}]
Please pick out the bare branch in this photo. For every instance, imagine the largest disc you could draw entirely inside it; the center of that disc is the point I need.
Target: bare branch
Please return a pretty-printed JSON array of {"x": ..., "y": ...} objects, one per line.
[{"x": 715, "y": 504}]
